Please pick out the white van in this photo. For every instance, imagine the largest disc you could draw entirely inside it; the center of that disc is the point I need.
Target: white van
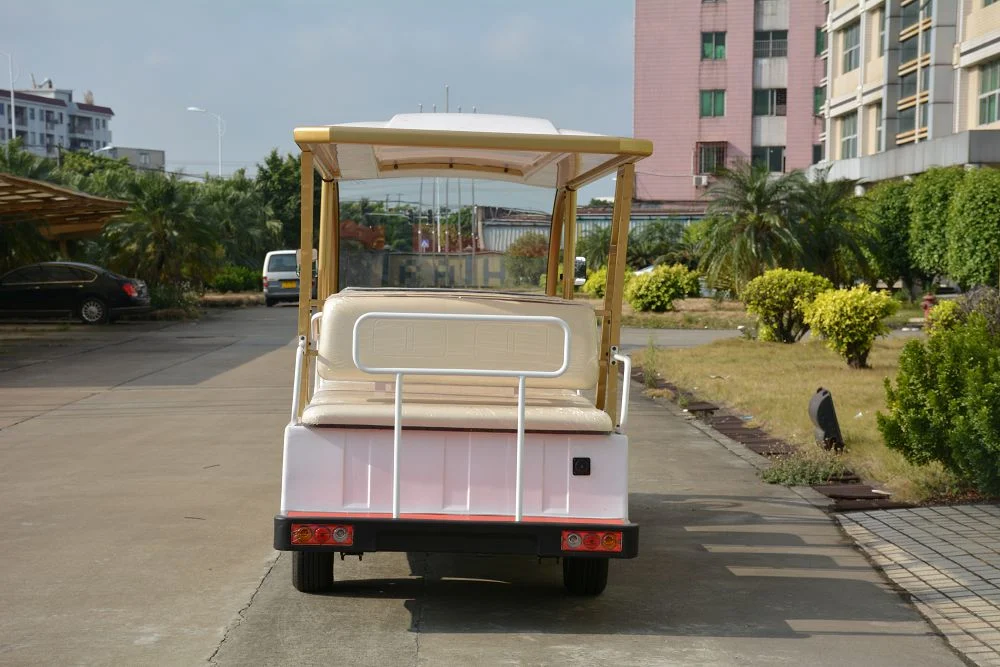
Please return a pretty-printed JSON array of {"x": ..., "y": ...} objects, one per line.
[{"x": 281, "y": 277}]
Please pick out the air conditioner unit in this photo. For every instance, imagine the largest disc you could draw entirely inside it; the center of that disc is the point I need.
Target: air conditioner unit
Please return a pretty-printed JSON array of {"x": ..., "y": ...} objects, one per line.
[{"x": 701, "y": 181}]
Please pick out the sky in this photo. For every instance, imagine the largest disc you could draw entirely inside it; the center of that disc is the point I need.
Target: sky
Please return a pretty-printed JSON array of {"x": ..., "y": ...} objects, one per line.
[{"x": 268, "y": 67}]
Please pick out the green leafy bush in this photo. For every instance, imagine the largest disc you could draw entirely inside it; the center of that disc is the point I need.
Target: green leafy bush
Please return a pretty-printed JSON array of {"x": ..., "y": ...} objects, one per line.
[
  {"x": 778, "y": 299},
  {"x": 849, "y": 320},
  {"x": 526, "y": 258},
  {"x": 945, "y": 316},
  {"x": 657, "y": 290},
  {"x": 986, "y": 302},
  {"x": 596, "y": 283},
  {"x": 974, "y": 229},
  {"x": 945, "y": 404},
  {"x": 236, "y": 279}
]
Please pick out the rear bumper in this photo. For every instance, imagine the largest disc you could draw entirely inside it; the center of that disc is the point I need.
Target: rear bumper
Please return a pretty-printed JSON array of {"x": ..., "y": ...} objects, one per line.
[{"x": 532, "y": 538}]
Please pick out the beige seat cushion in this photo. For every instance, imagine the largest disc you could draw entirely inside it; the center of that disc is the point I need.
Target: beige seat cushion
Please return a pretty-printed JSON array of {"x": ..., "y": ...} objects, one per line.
[
  {"x": 454, "y": 407},
  {"x": 445, "y": 344}
]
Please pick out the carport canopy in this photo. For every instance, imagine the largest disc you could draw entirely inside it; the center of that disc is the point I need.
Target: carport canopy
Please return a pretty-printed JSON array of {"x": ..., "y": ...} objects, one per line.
[{"x": 60, "y": 213}]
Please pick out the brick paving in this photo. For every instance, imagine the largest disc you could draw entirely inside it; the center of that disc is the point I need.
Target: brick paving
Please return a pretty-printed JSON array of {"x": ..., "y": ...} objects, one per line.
[{"x": 948, "y": 560}]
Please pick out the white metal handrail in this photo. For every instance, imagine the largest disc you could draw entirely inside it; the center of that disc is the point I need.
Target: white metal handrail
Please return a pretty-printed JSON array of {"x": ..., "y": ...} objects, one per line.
[
  {"x": 300, "y": 353},
  {"x": 626, "y": 362},
  {"x": 521, "y": 376}
]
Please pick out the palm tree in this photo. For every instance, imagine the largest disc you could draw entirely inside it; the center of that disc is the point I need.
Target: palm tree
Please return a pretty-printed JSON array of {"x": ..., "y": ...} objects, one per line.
[
  {"x": 245, "y": 225},
  {"x": 748, "y": 229},
  {"x": 161, "y": 238},
  {"x": 16, "y": 161},
  {"x": 829, "y": 228},
  {"x": 595, "y": 246},
  {"x": 22, "y": 242}
]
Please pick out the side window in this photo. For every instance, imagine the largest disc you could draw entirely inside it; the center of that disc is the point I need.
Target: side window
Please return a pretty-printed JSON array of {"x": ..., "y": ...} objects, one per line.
[
  {"x": 59, "y": 274},
  {"x": 29, "y": 274},
  {"x": 83, "y": 275}
]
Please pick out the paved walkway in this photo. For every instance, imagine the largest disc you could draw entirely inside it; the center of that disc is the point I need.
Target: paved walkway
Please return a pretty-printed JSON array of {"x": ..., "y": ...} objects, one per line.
[{"x": 948, "y": 559}]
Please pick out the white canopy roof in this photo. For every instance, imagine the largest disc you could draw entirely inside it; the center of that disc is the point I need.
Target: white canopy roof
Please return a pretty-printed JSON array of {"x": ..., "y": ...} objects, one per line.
[{"x": 519, "y": 149}]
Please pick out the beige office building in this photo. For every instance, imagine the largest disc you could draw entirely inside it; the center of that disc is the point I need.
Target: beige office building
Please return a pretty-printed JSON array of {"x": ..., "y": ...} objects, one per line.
[{"x": 911, "y": 84}]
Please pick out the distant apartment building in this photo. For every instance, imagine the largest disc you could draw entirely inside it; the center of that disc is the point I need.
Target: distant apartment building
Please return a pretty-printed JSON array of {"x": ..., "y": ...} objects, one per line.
[
  {"x": 912, "y": 84},
  {"x": 47, "y": 119},
  {"x": 143, "y": 159},
  {"x": 719, "y": 81}
]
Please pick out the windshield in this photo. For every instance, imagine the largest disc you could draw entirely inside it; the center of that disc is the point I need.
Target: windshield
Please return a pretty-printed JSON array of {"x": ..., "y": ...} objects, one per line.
[{"x": 282, "y": 263}]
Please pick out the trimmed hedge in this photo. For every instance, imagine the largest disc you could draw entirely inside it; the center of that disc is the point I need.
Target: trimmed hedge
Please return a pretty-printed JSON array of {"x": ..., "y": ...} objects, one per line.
[
  {"x": 973, "y": 235},
  {"x": 657, "y": 290},
  {"x": 234, "y": 278}
]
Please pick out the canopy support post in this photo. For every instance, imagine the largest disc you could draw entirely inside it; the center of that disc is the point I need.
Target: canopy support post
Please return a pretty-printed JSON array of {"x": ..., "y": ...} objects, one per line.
[
  {"x": 305, "y": 265},
  {"x": 569, "y": 246},
  {"x": 333, "y": 274},
  {"x": 607, "y": 377},
  {"x": 322, "y": 284},
  {"x": 555, "y": 236}
]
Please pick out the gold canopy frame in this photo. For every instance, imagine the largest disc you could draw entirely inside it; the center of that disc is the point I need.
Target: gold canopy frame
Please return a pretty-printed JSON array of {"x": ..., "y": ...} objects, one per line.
[{"x": 478, "y": 146}]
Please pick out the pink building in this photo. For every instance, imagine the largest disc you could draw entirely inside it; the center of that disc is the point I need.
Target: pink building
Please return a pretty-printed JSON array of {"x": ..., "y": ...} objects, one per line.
[{"x": 718, "y": 81}]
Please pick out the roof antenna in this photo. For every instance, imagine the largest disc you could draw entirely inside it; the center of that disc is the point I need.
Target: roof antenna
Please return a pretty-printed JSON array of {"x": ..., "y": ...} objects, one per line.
[
  {"x": 473, "y": 109},
  {"x": 420, "y": 107},
  {"x": 434, "y": 108}
]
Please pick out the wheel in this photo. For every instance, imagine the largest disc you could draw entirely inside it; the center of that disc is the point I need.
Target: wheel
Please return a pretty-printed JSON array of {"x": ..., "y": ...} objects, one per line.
[
  {"x": 93, "y": 311},
  {"x": 270, "y": 302},
  {"x": 312, "y": 571},
  {"x": 585, "y": 576}
]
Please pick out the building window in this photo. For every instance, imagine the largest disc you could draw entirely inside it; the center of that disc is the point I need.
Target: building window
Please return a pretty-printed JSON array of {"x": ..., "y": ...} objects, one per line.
[
  {"x": 880, "y": 17},
  {"x": 1, "y": 109},
  {"x": 770, "y": 102},
  {"x": 820, "y": 40},
  {"x": 908, "y": 85},
  {"x": 773, "y": 157},
  {"x": 31, "y": 138},
  {"x": 908, "y": 120},
  {"x": 989, "y": 92},
  {"x": 31, "y": 113},
  {"x": 3, "y": 134},
  {"x": 878, "y": 127},
  {"x": 819, "y": 99},
  {"x": 713, "y": 46},
  {"x": 851, "y": 41},
  {"x": 817, "y": 153},
  {"x": 144, "y": 159},
  {"x": 849, "y": 136},
  {"x": 713, "y": 103},
  {"x": 909, "y": 50},
  {"x": 711, "y": 157},
  {"x": 770, "y": 43}
]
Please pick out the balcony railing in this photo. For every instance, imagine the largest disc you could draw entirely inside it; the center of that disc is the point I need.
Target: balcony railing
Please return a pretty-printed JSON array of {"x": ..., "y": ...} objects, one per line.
[{"x": 771, "y": 48}]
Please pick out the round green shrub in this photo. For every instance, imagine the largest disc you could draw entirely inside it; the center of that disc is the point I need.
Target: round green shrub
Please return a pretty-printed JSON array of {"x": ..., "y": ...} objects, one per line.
[
  {"x": 849, "y": 320},
  {"x": 943, "y": 317},
  {"x": 596, "y": 283},
  {"x": 234, "y": 278},
  {"x": 657, "y": 290},
  {"x": 945, "y": 404},
  {"x": 778, "y": 299}
]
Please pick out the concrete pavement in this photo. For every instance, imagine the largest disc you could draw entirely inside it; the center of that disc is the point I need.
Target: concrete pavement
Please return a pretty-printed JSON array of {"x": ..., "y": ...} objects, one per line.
[{"x": 140, "y": 479}]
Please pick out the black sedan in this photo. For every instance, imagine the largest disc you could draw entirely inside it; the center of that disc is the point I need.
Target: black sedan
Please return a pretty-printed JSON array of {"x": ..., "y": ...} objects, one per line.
[{"x": 93, "y": 294}]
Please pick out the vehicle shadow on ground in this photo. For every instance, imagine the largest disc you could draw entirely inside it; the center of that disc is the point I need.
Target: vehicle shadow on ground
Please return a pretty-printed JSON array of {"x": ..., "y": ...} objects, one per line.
[{"x": 678, "y": 585}]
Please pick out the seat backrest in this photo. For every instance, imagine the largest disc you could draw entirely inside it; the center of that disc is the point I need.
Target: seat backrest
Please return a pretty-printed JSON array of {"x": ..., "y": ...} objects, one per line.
[{"x": 490, "y": 345}]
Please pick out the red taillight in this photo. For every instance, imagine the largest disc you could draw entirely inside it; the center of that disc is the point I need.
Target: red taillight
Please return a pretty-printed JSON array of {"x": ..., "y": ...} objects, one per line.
[
  {"x": 129, "y": 289},
  {"x": 264, "y": 280},
  {"x": 590, "y": 540},
  {"x": 321, "y": 533}
]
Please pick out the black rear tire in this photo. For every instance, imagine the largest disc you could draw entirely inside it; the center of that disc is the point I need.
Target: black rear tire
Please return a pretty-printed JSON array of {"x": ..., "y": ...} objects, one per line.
[
  {"x": 270, "y": 302},
  {"x": 585, "y": 576},
  {"x": 312, "y": 571}
]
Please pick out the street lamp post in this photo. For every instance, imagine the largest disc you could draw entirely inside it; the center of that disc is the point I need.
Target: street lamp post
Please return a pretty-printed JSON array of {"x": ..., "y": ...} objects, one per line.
[{"x": 221, "y": 126}]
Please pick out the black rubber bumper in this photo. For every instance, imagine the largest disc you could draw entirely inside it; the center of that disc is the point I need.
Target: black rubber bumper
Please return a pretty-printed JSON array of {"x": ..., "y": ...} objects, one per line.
[{"x": 479, "y": 537}]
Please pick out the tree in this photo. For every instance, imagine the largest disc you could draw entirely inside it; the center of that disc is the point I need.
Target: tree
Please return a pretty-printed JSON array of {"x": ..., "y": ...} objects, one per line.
[
  {"x": 829, "y": 229},
  {"x": 748, "y": 229},
  {"x": 161, "y": 238},
  {"x": 930, "y": 199},
  {"x": 278, "y": 180},
  {"x": 16, "y": 161},
  {"x": 526, "y": 258},
  {"x": 244, "y": 225},
  {"x": 656, "y": 242},
  {"x": 973, "y": 232},
  {"x": 595, "y": 246},
  {"x": 886, "y": 213}
]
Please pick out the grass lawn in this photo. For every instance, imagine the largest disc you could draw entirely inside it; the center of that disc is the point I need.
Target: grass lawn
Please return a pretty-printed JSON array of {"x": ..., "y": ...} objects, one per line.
[
  {"x": 773, "y": 383},
  {"x": 689, "y": 314}
]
